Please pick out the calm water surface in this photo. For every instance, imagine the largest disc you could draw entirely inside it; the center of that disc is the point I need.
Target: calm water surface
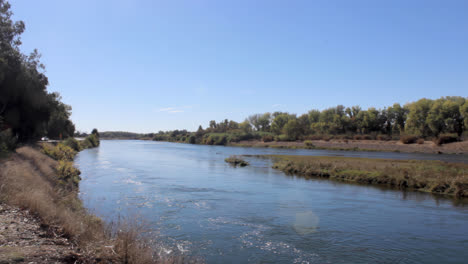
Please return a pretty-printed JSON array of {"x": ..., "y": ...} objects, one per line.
[{"x": 200, "y": 206}]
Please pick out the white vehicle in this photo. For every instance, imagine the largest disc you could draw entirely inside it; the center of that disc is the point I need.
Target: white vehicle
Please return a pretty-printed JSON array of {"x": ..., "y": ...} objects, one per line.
[{"x": 44, "y": 138}]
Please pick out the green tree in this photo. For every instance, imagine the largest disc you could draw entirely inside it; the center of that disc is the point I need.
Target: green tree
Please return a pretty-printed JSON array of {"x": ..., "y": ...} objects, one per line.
[
  {"x": 264, "y": 122},
  {"x": 418, "y": 112},
  {"x": 279, "y": 122},
  {"x": 292, "y": 129},
  {"x": 464, "y": 113},
  {"x": 25, "y": 105}
]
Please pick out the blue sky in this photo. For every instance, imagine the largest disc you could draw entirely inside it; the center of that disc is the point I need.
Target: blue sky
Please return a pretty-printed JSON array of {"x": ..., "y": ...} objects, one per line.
[{"x": 146, "y": 66}]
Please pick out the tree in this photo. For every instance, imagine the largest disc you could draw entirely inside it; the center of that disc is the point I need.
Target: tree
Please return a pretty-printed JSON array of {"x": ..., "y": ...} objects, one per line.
[
  {"x": 418, "y": 112},
  {"x": 264, "y": 122},
  {"x": 291, "y": 129},
  {"x": 397, "y": 115},
  {"x": 59, "y": 125},
  {"x": 279, "y": 122},
  {"x": 95, "y": 132},
  {"x": 245, "y": 126},
  {"x": 253, "y": 119},
  {"x": 25, "y": 105},
  {"x": 464, "y": 113}
]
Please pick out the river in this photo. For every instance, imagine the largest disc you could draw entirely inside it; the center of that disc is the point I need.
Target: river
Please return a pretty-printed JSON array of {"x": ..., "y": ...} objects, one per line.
[{"x": 198, "y": 205}]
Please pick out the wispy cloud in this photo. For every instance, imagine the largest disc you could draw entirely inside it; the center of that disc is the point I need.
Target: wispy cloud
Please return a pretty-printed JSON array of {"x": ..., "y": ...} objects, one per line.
[
  {"x": 277, "y": 105},
  {"x": 176, "y": 109}
]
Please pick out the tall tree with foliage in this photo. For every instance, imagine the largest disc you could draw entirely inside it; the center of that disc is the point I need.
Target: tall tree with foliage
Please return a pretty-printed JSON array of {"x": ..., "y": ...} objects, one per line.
[{"x": 25, "y": 105}]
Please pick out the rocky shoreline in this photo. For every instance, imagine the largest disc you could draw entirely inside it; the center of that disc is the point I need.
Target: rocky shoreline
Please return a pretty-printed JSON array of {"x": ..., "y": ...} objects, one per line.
[{"x": 23, "y": 238}]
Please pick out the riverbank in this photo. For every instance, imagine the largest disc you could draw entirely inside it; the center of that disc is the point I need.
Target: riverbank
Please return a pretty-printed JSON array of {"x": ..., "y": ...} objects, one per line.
[
  {"x": 43, "y": 193},
  {"x": 362, "y": 145},
  {"x": 428, "y": 176}
]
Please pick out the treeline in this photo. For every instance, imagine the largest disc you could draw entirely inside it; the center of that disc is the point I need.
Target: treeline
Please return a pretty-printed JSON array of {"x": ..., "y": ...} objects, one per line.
[
  {"x": 27, "y": 110},
  {"x": 125, "y": 135},
  {"x": 424, "y": 118}
]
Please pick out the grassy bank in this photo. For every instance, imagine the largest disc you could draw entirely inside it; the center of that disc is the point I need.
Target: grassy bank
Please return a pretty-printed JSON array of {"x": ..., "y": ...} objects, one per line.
[
  {"x": 362, "y": 145},
  {"x": 428, "y": 176},
  {"x": 48, "y": 188}
]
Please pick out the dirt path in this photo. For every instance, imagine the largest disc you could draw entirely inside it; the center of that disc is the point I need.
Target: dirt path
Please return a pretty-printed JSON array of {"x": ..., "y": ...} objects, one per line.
[{"x": 24, "y": 240}]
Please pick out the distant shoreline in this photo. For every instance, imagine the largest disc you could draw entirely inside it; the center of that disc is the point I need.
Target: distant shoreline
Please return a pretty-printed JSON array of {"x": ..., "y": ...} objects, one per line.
[
  {"x": 428, "y": 147},
  {"x": 363, "y": 145}
]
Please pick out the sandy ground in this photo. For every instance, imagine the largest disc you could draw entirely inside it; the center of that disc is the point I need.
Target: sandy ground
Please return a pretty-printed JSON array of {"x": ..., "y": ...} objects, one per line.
[
  {"x": 24, "y": 240},
  {"x": 374, "y": 145}
]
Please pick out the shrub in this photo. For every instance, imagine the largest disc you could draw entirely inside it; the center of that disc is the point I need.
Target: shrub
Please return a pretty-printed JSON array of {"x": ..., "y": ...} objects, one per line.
[
  {"x": 309, "y": 143},
  {"x": 357, "y": 137},
  {"x": 192, "y": 139},
  {"x": 408, "y": 139},
  {"x": 283, "y": 138},
  {"x": 313, "y": 137},
  {"x": 420, "y": 141},
  {"x": 68, "y": 175},
  {"x": 72, "y": 143},
  {"x": 90, "y": 141},
  {"x": 215, "y": 139},
  {"x": 267, "y": 138},
  {"x": 446, "y": 138},
  {"x": 236, "y": 161},
  {"x": 59, "y": 152},
  {"x": 7, "y": 141},
  {"x": 383, "y": 137}
]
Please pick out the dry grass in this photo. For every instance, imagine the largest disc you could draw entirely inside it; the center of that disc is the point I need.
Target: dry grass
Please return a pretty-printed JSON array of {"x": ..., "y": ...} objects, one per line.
[
  {"x": 429, "y": 176},
  {"x": 28, "y": 179}
]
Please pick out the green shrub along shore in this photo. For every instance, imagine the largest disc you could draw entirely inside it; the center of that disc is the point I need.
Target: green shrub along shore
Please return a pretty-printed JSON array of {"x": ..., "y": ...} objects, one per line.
[{"x": 428, "y": 176}]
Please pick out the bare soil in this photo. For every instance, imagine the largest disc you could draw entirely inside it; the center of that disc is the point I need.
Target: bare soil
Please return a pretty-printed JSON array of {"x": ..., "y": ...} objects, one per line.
[
  {"x": 373, "y": 145},
  {"x": 23, "y": 239}
]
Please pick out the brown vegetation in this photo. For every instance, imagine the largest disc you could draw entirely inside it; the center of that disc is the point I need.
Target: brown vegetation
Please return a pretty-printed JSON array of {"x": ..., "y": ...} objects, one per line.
[
  {"x": 364, "y": 145},
  {"x": 236, "y": 161},
  {"x": 408, "y": 139},
  {"x": 429, "y": 176},
  {"x": 30, "y": 180}
]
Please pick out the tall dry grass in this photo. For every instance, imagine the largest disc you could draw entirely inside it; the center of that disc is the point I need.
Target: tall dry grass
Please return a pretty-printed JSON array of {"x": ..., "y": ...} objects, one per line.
[
  {"x": 429, "y": 176},
  {"x": 28, "y": 179}
]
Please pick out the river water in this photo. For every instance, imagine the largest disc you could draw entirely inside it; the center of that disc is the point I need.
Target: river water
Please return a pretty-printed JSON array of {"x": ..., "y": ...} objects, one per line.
[{"x": 197, "y": 205}]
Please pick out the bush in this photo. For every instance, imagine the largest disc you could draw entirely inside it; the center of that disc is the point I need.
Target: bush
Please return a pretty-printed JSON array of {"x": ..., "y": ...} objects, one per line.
[
  {"x": 236, "y": 161},
  {"x": 420, "y": 141},
  {"x": 383, "y": 137},
  {"x": 309, "y": 143},
  {"x": 313, "y": 137},
  {"x": 215, "y": 139},
  {"x": 69, "y": 176},
  {"x": 72, "y": 143},
  {"x": 59, "y": 152},
  {"x": 90, "y": 141},
  {"x": 7, "y": 141},
  {"x": 446, "y": 138},
  {"x": 408, "y": 139},
  {"x": 267, "y": 138},
  {"x": 283, "y": 138},
  {"x": 192, "y": 139}
]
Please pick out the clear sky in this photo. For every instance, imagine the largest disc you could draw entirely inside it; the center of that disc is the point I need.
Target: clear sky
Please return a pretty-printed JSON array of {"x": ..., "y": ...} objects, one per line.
[{"x": 152, "y": 65}]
